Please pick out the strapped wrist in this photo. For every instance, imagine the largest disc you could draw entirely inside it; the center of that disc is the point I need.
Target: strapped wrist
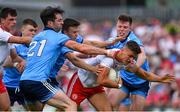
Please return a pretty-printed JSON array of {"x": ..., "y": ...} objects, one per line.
[
  {"x": 119, "y": 86},
  {"x": 15, "y": 64}
]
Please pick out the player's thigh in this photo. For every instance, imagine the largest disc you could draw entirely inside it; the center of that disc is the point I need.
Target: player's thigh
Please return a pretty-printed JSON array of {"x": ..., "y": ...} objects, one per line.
[
  {"x": 100, "y": 102},
  {"x": 138, "y": 102},
  {"x": 116, "y": 95},
  {"x": 4, "y": 101},
  {"x": 33, "y": 106},
  {"x": 61, "y": 100}
]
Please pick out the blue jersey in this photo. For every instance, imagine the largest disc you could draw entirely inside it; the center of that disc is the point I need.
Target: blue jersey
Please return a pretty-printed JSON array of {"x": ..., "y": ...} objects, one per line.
[
  {"x": 128, "y": 76},
  {"x": 61, "y": 59},
  {"x": 12, "y": 76},
  {"x": 43, "y": 53}
]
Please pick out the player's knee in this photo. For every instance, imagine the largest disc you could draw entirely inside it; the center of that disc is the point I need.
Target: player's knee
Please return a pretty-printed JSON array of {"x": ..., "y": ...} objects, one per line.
[
  {"x": 72, "y": 106},
  {"x": 5, "y": 107}
]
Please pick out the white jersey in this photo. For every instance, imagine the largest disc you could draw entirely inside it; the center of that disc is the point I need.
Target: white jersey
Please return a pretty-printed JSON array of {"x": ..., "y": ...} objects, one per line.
[
  {"x": 89, "y": 79},
  {"x": 4, "y": 46}
]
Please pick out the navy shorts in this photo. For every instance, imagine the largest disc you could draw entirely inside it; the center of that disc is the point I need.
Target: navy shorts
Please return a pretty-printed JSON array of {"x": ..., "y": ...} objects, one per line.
[
  {"x": 140, "y": 89},
  {"x": 38, "y": 90},
  {"x": 15, "y": 95}
]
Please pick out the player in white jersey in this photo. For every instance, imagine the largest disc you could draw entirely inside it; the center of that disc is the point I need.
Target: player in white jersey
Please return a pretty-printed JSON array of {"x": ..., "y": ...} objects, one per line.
[
  {"x": 8, "y": 21},
  {"x": 85, "y": 84}
]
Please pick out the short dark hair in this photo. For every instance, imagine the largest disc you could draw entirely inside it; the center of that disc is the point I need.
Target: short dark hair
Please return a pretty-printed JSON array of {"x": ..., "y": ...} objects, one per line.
[
  {"x": 8, "y": 11},
  {"x": 68, "y": 22},
  {"x": 49, "y": 14},
  {"x": 125, "y": 18},
  {"x": 134, "y": 47},
  {"x": 29, "y": 22}
]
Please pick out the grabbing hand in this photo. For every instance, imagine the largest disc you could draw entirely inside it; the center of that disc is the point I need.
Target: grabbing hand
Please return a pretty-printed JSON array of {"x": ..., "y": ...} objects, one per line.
[
  {"x": 102, "y": 70},
  {"x": 167, "y": 78},
  {"x": 20, "y": 66}
]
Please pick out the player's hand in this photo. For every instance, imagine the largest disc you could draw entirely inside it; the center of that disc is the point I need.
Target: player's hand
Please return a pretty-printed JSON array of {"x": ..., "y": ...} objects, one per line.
[
  {"x": 20, "y": 66},
  {"x": 119, "y": 80},
  {"x": 102, "y": 70},
  {"x": 167, "y": 78},
  {"x": 64, "y": 68}
]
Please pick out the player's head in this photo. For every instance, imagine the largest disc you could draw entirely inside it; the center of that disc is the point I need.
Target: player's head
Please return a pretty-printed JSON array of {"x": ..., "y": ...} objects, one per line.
[
  {"x": 132, "y": 49},
  {"x": 128, "y": 53},
  {"x": 29, "y": 27},
  {"x": 123, "y": 25},
  {"x": 52, "y": 17},
  {"x": 8, "y": 18},
  {"x": 71, "y": 27}
]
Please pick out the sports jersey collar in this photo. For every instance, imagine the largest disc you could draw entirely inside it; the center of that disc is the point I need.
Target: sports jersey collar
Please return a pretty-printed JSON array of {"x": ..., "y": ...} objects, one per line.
[
  {"x": 4, "y": 28},
  {"x": 126, "y": 37},
  {"x": 47, "y": 28}
]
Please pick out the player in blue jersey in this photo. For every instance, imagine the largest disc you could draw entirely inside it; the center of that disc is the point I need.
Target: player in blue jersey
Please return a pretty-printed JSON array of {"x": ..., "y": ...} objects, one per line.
[
  {"x": 133, "y": 86},
  {"x": 43, "y": 52},
  {"x": 70, "y": 27},
  {"x": 11, "y": 74}
]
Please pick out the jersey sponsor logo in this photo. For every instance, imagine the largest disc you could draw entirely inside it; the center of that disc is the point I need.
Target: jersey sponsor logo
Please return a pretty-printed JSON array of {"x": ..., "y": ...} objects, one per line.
[{"x": 74, "y": 96}]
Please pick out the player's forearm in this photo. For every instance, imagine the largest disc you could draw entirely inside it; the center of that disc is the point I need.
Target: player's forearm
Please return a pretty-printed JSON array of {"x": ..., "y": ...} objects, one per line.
[
  {"x": 108, "y": 83},
  {"x": 8, "y": 62},
  {"x": 19, "y": 40},
  {"x": 81, "y": 64},
  {"x": 100, "y": 44},
  {"x": 148, "y": 76},
  {"x": 86, "y": 49}
]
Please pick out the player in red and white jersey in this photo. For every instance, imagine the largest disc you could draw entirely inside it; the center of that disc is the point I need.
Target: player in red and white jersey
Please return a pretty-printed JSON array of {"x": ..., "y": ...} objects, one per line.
[
  {"x": 87, "y": 85},
  {"x": 8, "y": 21}
]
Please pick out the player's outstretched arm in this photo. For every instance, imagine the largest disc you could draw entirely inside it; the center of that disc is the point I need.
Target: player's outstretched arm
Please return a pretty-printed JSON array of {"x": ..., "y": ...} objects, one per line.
[
  {"x": 86, "y": 49},
  {"x": 80, "y": 63},
  {"x": 101, "y": 44},
  {"x": 17, "y": 59},
  {"x": 19, "y": 40},
  {"x": 149, "y": 75}
]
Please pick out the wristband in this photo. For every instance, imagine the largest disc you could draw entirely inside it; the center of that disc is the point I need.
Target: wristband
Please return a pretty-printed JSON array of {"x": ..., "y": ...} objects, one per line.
[
  {"x": 119, "y": 86},
  {"x": 15, "y": 64}
]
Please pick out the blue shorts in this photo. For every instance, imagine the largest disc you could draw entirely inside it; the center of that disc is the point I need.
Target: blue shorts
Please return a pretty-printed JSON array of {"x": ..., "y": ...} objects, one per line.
[
  {"x": 38, "y": 90},
  {"x": 140, "y": 89},
  {"x": 15, "y": 95}
]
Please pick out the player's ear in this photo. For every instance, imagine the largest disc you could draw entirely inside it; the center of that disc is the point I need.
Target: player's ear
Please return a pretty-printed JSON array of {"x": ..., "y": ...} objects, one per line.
[
  {"x": 2, "y": 20},
  {"x": 22, "y": 28},
  {"x": 50, "y": 23}
]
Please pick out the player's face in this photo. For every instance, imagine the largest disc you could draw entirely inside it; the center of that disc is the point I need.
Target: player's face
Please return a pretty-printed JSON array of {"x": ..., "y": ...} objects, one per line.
[
  {"x": 28, "y": 30},
  {"x": 72, "y": 32},
  {"x": 58, "y": 22},
  {"x": 123, "y": 28},
  {"x": 9, "y": 22},
  {"x": 130, "y": 56}
]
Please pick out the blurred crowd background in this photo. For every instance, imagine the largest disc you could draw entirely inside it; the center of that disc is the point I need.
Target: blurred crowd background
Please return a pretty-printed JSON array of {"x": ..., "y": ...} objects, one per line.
[{"x": 155, "y": 22}]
